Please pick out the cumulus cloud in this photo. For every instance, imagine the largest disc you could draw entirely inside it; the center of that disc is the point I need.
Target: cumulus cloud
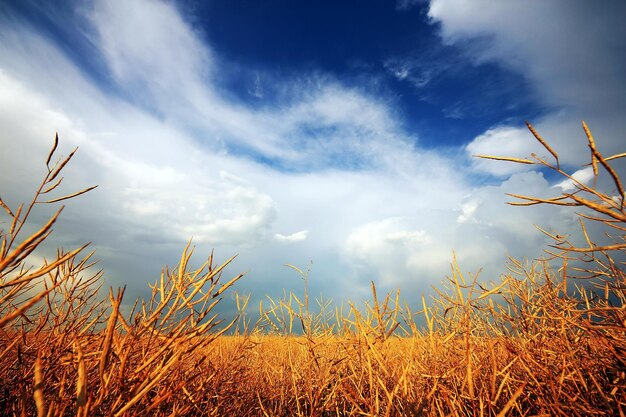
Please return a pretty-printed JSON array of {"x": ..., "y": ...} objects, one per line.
[
  {"x": 216, "y": 211},
  {"x": 294, "y": 237},
  {"x": 583, "y": 176},
  {"x": 408, "y": 237},
  {"x": 480, "y": 228},
  {"x": 468, "y": 209},
  {"x": 393, "y": 247},
  {"x": 503, "y": 141}
]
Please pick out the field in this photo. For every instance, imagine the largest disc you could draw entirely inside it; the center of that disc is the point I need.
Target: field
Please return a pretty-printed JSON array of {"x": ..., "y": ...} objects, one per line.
[{"x": 548, "y": 339}]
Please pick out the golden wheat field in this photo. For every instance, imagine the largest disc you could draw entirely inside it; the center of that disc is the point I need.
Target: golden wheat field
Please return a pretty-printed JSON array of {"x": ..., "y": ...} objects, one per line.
[{"x": 547, "y": 339}]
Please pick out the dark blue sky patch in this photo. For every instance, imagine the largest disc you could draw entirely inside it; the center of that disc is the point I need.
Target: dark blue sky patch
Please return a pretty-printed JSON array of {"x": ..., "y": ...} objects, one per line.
[
  {"x": 324, "y": 34},
  {"x": 441, "y": 96}
]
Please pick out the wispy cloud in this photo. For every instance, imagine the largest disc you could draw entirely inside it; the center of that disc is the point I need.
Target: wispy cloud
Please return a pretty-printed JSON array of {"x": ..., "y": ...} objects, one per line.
[
  {"x": 257, "y": 89},
  {"x": 404, "y": 5},
  {"x": 418, "y": 71}
]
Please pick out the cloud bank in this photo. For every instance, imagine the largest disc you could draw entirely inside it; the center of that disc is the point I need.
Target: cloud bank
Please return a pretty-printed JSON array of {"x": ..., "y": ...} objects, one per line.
[{"x": 177, "y": 158}]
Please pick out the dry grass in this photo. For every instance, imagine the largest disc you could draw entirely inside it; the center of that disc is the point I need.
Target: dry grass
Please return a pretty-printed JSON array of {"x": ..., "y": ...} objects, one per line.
[{"x": 548, "y": 339}]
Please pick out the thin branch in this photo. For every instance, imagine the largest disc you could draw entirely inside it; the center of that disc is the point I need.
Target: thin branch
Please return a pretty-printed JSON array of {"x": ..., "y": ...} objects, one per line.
[{"x": 544, "y": 143}]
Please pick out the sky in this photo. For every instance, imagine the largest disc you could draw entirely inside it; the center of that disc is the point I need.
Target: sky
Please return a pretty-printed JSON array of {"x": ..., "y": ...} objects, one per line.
[{"x": 333, "y": 136}]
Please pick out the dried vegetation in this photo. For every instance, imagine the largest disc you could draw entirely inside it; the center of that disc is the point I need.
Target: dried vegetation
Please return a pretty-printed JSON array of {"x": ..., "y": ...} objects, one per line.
[{"x": 548, "y": 338}]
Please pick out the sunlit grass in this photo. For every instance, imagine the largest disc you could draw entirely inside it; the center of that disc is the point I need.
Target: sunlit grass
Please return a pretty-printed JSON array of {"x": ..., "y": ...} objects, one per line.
[{"x": 540, "y": 341}]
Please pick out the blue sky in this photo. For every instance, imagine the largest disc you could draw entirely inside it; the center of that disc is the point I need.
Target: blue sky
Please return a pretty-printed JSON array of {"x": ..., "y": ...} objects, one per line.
[
  {"x": 372, "y": 46},
  {"x": 288, "y": 132}
]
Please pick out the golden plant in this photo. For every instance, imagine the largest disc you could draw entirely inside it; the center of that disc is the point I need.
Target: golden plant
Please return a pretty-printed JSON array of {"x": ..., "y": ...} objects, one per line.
[
  {"x": 548, "y": 338},
  {"x": 56, "y": 355}
]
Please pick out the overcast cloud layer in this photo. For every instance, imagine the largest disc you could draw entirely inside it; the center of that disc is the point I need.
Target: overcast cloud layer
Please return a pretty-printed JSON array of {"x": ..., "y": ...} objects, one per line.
[{"x": 330, "y": 174}]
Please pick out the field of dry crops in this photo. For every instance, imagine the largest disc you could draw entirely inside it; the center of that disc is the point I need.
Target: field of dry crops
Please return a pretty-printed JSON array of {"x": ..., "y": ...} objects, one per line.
[{"x": 548, "y": 339}]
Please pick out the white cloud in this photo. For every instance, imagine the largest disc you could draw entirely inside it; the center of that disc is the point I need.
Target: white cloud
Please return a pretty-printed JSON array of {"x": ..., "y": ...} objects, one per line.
[
  {"x": 170, "y": 72},
  {"x": 177, "y": 200},
  {"x": 419, "y": 71},
  {"x": 389, "y": 248},
  {"x": 556, "y": 43},
  {"x": 162, "y": 152},
  {"x": 468, "y": 210},
  {"x": 257, "y": 90},
  {"x": 411, "y": 238},
  {"x": 569, "y": 51},
  {"x": 404, "y": 5},
  {"x": 504, "y": 141},
  {"x": 584, "y": 176},
  {"x": 400, "y": 73},
  {"x": 412, "y": 251},
  {"x": 159, "y": 186},
  {"x": 294, "y": 237},
  {"x": 140, "y": 36},
  {"x": 216, "y": 211}
]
